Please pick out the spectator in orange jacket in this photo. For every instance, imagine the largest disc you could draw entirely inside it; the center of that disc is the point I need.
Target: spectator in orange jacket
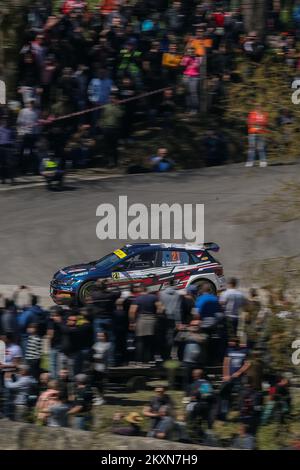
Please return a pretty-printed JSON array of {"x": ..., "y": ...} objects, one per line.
[{"x": 257, "y": 128}]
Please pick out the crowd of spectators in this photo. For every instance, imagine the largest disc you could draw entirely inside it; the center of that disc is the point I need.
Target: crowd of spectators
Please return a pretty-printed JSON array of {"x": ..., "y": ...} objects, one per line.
[
  {"x": 79, "y": 56},
  {"x": 76, "y": 57},
  {"x": 56, "y": 365}
]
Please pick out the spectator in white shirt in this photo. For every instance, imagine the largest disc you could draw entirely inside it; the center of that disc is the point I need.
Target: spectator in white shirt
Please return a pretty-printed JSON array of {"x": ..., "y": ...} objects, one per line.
[{"x": 233, "y": 300}]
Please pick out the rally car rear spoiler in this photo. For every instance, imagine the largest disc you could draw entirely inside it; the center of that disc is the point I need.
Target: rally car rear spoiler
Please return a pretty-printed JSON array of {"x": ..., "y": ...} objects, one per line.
[{"x": 211, "y": 246}]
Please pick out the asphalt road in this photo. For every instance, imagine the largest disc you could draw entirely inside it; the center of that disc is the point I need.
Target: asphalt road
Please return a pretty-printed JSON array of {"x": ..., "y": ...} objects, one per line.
[{"x": 42, "y": 231}]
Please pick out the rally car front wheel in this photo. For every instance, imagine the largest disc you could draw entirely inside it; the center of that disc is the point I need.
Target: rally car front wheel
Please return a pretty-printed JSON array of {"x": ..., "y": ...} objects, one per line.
[{"x": 85, "y": 291}]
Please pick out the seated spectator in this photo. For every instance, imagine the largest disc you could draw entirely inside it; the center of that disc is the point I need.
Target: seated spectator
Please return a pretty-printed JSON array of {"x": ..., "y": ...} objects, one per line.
[
  {"x": 58, "y": 412},
  {"x": 47, "y": 399},
  {"x": 165, "y": 425},
  {"x": 244, "y": 440},
  {"x": 82, "y": 405},
  {"x": 152, "y": 411},
  {"x": 13, "y": 352},
  {"x": 19, "y": 387},
  {"x": 51, "y": 169},
  {"x": 160, "y": 162}
]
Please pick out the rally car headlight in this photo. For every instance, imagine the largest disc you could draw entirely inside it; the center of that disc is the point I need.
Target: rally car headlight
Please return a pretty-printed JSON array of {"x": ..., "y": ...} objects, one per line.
[{"x": 68, "y": 282}]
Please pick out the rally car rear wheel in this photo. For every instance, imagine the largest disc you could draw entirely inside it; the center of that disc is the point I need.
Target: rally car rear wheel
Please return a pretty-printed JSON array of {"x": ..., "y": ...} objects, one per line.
[
  {"x": 85, "y": 291},
  {"x": 200, "y": 282}
]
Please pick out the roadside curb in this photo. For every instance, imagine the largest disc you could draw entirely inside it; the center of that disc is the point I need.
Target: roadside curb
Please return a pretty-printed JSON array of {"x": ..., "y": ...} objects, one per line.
[{"x": 70, "y": 179}]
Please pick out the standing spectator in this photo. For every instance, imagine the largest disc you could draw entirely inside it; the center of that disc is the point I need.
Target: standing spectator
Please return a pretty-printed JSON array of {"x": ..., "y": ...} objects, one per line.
[
  {"x": 54, "y": 335},
  {"x": 32, "y": 314},
  {"x": 103, "y": 301},
  {"x": 8, "y": 319},
  {"x": 7, "y": 166},
  {"x": 82, "y": 406},
  {"x": 193, "y": 352},
  {"x": 235, "y": 365},
  {"x": 207, "y": 304},
  {"x": 191, "y": 79},
  {"x": 171, "y": 301},
  {"x": 175, "y": 17},
  {"x": 110, "y": 123},
  {"x": 34, "y": 350},
  {"x": 233, "y": 300},
  {"x": 27, "y": 127},
  {"x": 202, "y": 389},
  {"x": 127, "y": 91},
  {"x": 100, "y": 359},
  {"x": 142, "y": 317},
  {"x": 120, "y": 324},
  {"x": 22, "y": 297},
  {"x": 257, "y": 128},
  {"x": 188, "y": 304},
  {"x": 99, "y": 90}
]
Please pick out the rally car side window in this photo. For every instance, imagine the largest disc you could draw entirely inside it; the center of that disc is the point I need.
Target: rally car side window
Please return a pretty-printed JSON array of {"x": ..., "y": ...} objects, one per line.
[
  {"x": 143, "y": 260},
  {"x": 174, "y": 258}
]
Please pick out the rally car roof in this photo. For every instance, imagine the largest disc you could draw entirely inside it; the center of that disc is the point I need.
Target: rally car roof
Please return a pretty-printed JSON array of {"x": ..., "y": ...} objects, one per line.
[{"x": 211, "y": 246}]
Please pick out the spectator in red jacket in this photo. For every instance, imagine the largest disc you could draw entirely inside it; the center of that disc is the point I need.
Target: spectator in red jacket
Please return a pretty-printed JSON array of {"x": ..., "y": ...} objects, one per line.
[{"x": 257, "y": 128}]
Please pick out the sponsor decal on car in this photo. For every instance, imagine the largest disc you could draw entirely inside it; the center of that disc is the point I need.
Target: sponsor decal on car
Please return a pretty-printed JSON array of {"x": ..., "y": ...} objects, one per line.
[{"x": 120, "y": 253}]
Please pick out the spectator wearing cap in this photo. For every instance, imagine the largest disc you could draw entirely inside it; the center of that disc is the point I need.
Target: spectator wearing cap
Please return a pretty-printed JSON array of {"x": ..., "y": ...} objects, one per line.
[{"x": 133, "y": 424}]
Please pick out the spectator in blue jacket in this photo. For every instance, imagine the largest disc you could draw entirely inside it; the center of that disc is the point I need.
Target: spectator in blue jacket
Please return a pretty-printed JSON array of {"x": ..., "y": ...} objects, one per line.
[{"x": 207, "y": 304}]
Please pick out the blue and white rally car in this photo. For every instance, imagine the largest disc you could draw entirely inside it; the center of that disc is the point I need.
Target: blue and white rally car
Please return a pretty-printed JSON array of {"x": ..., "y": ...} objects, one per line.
[{"x": 153, "y": 265}]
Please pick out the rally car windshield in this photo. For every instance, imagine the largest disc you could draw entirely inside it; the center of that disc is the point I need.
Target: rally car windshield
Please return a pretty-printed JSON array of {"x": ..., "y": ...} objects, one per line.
[{"x": 108, "y": 261}]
